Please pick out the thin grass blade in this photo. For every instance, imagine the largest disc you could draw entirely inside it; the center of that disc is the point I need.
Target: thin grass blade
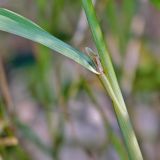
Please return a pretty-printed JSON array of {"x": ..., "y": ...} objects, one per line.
[{"x": 18, "y": 25}]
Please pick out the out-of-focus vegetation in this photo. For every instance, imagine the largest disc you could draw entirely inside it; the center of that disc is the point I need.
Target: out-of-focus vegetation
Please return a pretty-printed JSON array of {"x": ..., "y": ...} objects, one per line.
[{"x": 59, "y": 115}]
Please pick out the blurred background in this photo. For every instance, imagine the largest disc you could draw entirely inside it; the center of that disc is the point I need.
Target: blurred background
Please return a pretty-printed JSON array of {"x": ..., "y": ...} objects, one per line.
[{"x": 53, "y": 109}]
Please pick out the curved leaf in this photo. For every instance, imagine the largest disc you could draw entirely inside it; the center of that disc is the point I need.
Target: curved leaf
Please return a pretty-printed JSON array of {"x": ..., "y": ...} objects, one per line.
[{"x": 18, "y": 25}]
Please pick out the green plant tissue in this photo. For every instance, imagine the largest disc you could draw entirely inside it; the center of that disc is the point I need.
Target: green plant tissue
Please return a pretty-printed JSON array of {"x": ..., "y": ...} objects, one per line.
[{"x": 156, "y": 3}]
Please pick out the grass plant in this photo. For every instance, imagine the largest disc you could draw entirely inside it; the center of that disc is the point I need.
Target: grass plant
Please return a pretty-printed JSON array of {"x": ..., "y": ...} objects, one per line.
[{"x": 99, "y": 63}]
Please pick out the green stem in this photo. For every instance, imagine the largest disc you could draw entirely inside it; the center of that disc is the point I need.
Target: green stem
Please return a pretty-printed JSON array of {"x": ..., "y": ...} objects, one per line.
[
  {"x": 123, "y": 119},
  {"x": 112, "y": 137},
  {"x": 109, "y": 80}
]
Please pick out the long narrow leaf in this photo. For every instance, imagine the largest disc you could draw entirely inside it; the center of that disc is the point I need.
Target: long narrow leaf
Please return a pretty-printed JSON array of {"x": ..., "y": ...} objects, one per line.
[{"x": 18, "y": 25}]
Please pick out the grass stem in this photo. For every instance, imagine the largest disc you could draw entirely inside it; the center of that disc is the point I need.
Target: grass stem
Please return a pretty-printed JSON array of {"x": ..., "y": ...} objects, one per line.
[{"x": 109, "y": 81}]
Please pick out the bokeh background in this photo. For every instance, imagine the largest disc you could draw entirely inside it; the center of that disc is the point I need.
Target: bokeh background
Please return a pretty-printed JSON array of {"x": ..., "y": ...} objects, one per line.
[{"x": 53, "y": 109}]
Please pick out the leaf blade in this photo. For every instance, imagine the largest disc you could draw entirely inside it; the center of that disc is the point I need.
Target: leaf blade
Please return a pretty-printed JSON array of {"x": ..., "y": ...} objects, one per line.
[{"x": 14, "y": 23}]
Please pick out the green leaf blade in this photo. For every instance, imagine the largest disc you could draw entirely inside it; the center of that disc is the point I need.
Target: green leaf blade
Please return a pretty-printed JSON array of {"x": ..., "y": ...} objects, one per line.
[{"x": 13, "y": 23}]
